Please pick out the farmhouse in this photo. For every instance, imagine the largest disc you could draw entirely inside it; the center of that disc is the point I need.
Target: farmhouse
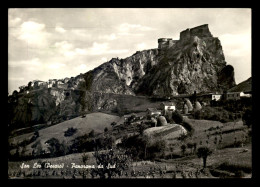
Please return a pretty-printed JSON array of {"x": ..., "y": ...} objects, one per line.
[
  {"x": 153, "y": 111},
  {"x": 216, "y": 97},
  {"x": 167, "y": 106},
  {"x": 233, "y": 95},
  {"x": 245, "y": 94}
]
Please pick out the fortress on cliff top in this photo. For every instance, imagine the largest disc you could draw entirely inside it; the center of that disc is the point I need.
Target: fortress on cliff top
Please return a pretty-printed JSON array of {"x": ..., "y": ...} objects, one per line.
[{"x": 199, "y": 31}]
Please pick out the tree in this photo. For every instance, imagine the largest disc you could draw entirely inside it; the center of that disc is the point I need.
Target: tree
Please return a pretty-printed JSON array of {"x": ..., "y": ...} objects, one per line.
[
  {"x": 141, "y": 128},
  {"x": 183, "y": 148},
  {"x": 247, "y": 118},
  {"x": 204, "y": 152},
  {"x": 146, "y": 142},
  {"x": 119, "y": 160},
  {"x": 36, "y": 134},
  {"x": 55, "y": 148},
  {"x": 153, "y": 122},
  {"x": 169, "y": 116},
  {"x": 113, "y": 124},
  {"x": 91, "y": 134},
  {"x": 82, "y": 98},
  {"x": 177, "y": 117},
  {"x": 70, "y": 131},
  {"x": 29, "y": 86},
  {"x": 190, "y": 146}
]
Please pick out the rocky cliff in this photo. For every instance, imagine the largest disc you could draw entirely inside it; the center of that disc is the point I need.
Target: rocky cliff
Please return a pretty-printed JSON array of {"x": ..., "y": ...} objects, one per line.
[{"x": 195, "y": 62}]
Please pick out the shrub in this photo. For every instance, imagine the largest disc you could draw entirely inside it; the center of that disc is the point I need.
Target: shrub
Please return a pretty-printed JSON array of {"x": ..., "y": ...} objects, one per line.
[
  {"x": 85, "y": 158},
  {"x": 183, "y": 148},
  {"x": 156, "y": 149},
  {"x": 70, "y": 131},
  {"x": 91, "y": 134},
  {"x": 210, "y": 113},
  {"x": 177, "y": 117},
  {"x": 56, "y": 148},
  {"x": 182, "y": 137},
  {"x": 120, "y": 160},
  {"x": 188, "y": 127},
  {"x": 239, "y": 174},
  {"x": 247, "y": 117},
  {"x": 235, "y": 167},
  {"x": 204, "y": 152}
]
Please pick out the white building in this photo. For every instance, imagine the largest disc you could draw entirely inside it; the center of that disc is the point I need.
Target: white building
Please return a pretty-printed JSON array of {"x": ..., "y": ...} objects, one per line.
[
  {"x": 167, "y": 106},
  {"x": 216, "y": 97}
]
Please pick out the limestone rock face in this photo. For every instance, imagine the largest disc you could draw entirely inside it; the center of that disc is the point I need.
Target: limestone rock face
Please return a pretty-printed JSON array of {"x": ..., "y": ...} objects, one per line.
[{"x": 195, "y": 62}]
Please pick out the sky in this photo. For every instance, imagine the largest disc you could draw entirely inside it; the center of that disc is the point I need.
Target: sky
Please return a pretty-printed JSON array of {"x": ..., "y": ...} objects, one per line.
[{"x": 51, "y": 43}]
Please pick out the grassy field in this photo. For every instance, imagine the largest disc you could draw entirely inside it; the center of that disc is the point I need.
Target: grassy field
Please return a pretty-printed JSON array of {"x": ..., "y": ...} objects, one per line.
[{"x": 93, "y": 121}]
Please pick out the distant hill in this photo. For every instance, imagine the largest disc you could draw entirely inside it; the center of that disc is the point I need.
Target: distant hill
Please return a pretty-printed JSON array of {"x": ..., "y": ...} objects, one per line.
[{"x": 245, "y": 86}]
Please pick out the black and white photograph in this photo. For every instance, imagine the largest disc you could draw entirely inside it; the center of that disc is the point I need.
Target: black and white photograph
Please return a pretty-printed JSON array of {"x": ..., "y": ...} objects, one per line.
[{"x": 129, "y": 93}]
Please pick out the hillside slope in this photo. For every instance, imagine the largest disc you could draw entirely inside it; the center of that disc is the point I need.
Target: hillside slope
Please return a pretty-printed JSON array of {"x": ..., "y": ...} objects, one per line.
[
  {"x": 93, "y": 121},
  {"x": 245, "y": 86}
]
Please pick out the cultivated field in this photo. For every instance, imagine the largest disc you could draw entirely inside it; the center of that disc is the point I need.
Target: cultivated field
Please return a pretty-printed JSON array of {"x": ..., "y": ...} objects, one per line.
[{"x": 94, "y": 121}]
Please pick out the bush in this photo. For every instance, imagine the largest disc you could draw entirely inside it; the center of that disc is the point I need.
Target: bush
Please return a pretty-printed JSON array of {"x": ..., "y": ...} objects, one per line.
[
  {"x": 177, "y": 117},
  {"x": 235, "y": 167},
  {"x": 156, "y": 149},
  {"x": 183, "y": 148},
  {"x": 188, "y": 127},
  {"x": 247, "y": 118},
  {"x": 91, "y": 134},
  {"x": 215, "y": 114},
  {"x": 56, "y": 148},
  {"x": 70, "y": 131},
  {"x": 239, "y": 174}
]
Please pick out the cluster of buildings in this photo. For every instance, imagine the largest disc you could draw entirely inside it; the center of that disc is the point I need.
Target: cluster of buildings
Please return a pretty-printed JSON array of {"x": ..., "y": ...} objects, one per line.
[
  {"x": 61, "y": 83},
  {"x": 227, "y": 95},
  {"x": 164, "y": 107}
]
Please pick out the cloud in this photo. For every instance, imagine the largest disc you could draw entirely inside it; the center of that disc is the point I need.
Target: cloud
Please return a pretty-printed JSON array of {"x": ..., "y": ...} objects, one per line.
[
  {"x": 60, "y": 29},
  {"x": 141, "y": 46},
  {"x": 126, "y": 27},
  {"x": 16, "y": 78},
  {"x": 81, "y": 67},
  {"x": 56, "y": 65},
  {"x": 14, "y": 22},
  {"x": 103, "y": 48},
  {"x": 236, "y": 44},
  {"x": 130, "y": 34},
  {"x": 31, "y": 62},
  {"x": 81, "y": 51},
  {"x": 104, "y": 59},
  {"x": 33, "y": 33},
  {"x": 110, "y": 37}
]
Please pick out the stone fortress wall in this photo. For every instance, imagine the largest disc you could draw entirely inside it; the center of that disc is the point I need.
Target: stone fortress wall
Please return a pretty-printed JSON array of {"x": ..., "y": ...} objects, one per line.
[{"x": 186, "y": 35}]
